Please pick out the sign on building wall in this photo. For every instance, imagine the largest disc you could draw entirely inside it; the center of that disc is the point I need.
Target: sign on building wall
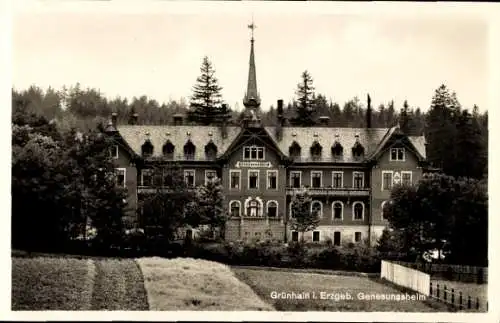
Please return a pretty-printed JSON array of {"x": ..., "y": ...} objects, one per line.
[{"x": 253, "y": 164}]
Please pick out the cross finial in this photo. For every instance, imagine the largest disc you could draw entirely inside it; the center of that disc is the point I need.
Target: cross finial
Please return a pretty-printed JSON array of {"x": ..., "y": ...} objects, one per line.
[{"x": 252, "y": 26}]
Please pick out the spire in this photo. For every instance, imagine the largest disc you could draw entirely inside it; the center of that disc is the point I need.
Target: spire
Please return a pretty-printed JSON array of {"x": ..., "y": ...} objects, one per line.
[{"x": 252, "y": 99}]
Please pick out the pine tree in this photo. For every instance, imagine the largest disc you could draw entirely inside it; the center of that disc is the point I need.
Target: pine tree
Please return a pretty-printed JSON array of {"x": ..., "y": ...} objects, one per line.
[
  {"x": 471, "y": 155},
  {"x": 440, "y": 131},
  {"x": 206, "y": 101},
  {"x": 306, "y": 109}
]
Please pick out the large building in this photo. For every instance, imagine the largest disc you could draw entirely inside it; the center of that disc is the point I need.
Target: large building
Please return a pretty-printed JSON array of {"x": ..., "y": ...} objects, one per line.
[{"x": 348, "y": 172}]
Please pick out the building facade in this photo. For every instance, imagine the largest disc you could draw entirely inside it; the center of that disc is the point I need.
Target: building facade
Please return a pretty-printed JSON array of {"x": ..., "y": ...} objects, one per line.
[{"x": 348, "y": 172}]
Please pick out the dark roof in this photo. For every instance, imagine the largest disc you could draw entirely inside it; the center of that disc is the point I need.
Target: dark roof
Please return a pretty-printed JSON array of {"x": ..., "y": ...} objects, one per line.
[{"x": 372, "y": 139}]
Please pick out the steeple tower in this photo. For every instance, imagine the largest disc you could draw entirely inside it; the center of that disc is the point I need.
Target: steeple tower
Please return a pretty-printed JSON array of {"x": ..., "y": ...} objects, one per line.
[{"x": 251, "y": 101}]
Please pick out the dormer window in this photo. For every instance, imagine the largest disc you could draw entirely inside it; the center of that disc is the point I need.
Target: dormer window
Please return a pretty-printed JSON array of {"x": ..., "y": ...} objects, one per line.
[
  {"x": 337, "y": 150},
  {"x": 397, "y": 154},
  {"x": 210, "y": 151},
  {"x": 358, "y": 151},
  {"x": 168, "y": 150},
  {"x": 253, "y": 153},
  {"x": 147, "y": 149},
  {"x": 189, "y": 150},
  {"x": 316, "y": 151},
  {"x": 294, "y": 150}
]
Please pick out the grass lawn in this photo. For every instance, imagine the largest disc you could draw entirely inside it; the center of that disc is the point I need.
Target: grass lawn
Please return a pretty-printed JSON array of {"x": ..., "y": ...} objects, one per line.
[
  {"x": 52, "y": 283},
  {"x": 265, "y": 282},
  {"x": 119, "y": 286},
  {"x": 192, "y": 284}
]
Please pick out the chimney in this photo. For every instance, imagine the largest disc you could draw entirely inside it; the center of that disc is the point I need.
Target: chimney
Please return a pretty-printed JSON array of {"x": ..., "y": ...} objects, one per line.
[
  {"x": 324, "y": 120},
  {"x": 133, "y": 119},
  {"x": 281, "y": 120},
  {"x": 369, "y": 112},
  {"x": 114, "y": 118},
  {"x": 177, "y": 119},
  {"x": 223, "y": 128}
]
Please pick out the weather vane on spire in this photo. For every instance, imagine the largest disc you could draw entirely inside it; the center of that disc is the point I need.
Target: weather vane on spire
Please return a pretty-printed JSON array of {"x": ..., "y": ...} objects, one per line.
[{"x": 252, "y": 26}]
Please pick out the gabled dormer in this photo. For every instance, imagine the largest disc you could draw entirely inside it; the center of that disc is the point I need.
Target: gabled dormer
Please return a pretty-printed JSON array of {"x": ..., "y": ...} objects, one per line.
[
  {"x": 147, "y": 147},
  {"x": 210, "y": 151},
  {"x": 189, "y": 150},
  {"x": 295, "y": 150},
  {"x": 168, "y": 150},
  {"x": 358, "y": 151},
  {"x": 316, "y": 150}
]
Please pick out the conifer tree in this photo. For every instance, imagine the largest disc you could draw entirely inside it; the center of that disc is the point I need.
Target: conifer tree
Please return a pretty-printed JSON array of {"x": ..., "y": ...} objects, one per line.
[
  {"x": 306, "y": 109},
  {"x": 206, "y": 101},
  {"x": 471, "y": 156}
]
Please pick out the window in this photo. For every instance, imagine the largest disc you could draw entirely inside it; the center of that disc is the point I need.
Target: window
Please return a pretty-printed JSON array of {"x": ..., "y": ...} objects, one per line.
[
  {"x": 168, "y": 179},
  {"x": 387, "y": 180},
  {"x": 397, "y": 154},
  {"x": 317, "y": 208},
  {"x": 294, "y": 150},
  {"x": 295, "y": 179},
  {"x": 290, "y": 209},
  {"x": 146, "y": 177},
  {"x": 336, "y": 238},
  {"x": 235, "y": 208},
  {"x": 253, "y": 153},
  {"x": 382, "y": 205},
  {"x": 357, "y": 236},
  {"x": 113, "y": 152},
  {"x": 189, "y": 150},
  {"x": 189, "y": 177},
  {"x": 337, "y": 179},
  {"x": 406, "y": 177},
  {"x": 358, "y": 210},
  {"x": 338, "y": 209},
  {"x": 295, "y": 236},
  {"x": 337, "y": 150},
  {"x": 316, "y": 150},
  {"x": 316, "y": 179},
  {"x": 147, "y": 149},
  {"x": 315, "y": 236},
  {"x": 272, "y": 179},
  {"x": 210, "y": 175},
  {"x": 253, "y": 179},
  {"x": 210, "y": 151},
  {"x": 120, "y": 176},
  {"x": 235, "y": 179},
  {"x": 272, "y": 209},
  {"x": 358, "y": 179},
  {"x": 254, "y": 208},
  {"x": 168, "y": 150}
]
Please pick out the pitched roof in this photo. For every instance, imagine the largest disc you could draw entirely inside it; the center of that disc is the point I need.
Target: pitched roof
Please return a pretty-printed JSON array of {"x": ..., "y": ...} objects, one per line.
[
  {"x": 136, "y": 135},
  {"x": 326, "y": 137},
  {"x": 371, "y": 139},
  {"x": 419, "y": 144}
]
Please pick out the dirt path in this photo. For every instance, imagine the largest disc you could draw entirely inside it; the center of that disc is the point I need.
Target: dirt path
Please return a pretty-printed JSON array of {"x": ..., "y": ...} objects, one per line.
[{"x": 119, "y": 285}]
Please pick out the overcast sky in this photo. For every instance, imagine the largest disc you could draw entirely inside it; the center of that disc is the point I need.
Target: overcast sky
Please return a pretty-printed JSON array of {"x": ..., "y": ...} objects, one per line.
[{"x": 159, "y": 54}]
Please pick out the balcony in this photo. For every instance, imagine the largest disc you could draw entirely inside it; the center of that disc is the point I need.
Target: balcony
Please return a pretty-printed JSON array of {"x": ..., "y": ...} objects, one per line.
[
  {"x": 154, "y": 189},
  {"x": 330, "y": 191}
]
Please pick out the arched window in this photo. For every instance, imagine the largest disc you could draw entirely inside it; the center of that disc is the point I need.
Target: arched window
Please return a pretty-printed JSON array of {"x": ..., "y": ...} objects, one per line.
[
  {"x": 168, "y": 150},
  {"x": 316, "y": 151},
  {"x": 290, "y": 209},
  {"x": 358, "y": 210},
  {"x": 338, "y": 210},
  {"x": 211, "y": 151},
  {"x": 147, "y": 148},
  {"x": 337, "y": 150},
  {"x": 235, "y": 208},
  {"x": 317, "y": 206},
  {"x": 358, "y": 151},
  {"x": 189, "y": 150},
  {"x": 382, "y": 205},
  {"x": 272, "y": 209},
  {"x": 253, "y": 207},
  {"x": 294, "y": 150}
]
